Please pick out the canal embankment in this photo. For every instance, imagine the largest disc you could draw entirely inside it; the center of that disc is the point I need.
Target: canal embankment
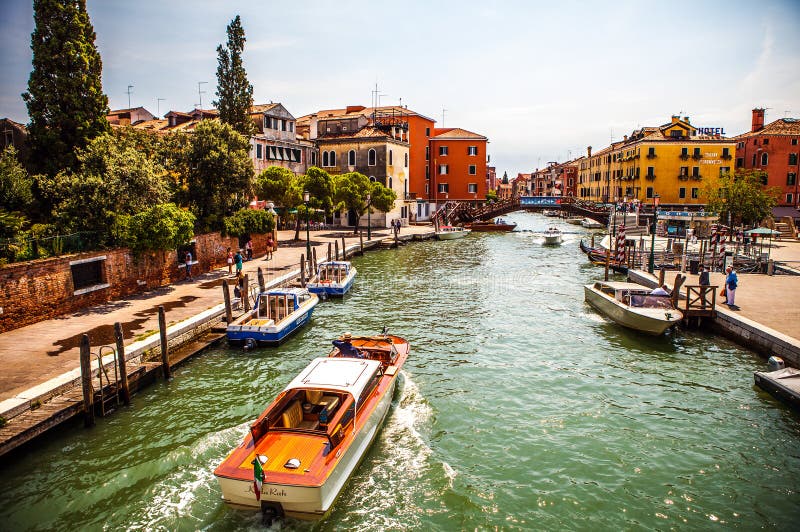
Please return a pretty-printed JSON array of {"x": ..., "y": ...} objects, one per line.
[
  {"x": 40, "y": 374},
  {"x": 766, "y": 317}
]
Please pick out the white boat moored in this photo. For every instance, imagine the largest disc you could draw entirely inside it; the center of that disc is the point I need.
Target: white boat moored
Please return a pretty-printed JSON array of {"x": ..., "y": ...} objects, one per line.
[{"x": 632, "y": 305}]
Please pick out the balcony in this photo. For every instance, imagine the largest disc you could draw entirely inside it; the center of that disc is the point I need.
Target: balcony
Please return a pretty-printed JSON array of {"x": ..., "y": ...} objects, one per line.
[
  {"x": 650, "y": 177},
  {"x": 411, "y": 196},
  {"x": 697, "y": 156},
  {"x": 684, "y": 156},
  {"x": 683, "y": 177},
  {"x": 697, "y": 177},
  {"x": 651, "y": 155},
  {"x": 726, "y": 157}
]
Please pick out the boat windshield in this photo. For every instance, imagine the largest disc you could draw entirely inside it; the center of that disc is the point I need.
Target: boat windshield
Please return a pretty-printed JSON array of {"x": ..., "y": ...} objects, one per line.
[{"x": 648, "y": 301}]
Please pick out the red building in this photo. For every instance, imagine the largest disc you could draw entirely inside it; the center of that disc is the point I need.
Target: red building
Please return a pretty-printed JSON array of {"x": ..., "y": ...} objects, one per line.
[
  {"x": 458, "y": 165},
  {"x": 773, "y": 149}
]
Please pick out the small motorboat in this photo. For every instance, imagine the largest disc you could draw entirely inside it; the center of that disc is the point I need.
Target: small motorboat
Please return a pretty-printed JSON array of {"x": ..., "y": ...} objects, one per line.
[
  {"x": 632, "y": 306},
  {"x": 591, "y": 224},
  {"x": 334, "y": 278},
  {"x": 598, "y": 257},
  {"x": 549, "y": 213},
  {"x": 496, "y": 225},
  {"x": 575, "y": 220},
  {"x": 303, "y": 448},
  {"x": 552, "y": 236},
  {"x": 449, "y": 232},
  {"x": 277, "y": 314}
]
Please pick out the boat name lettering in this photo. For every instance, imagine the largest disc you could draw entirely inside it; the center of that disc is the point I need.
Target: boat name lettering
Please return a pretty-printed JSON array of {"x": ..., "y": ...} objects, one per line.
[{"x": 274, "y": 492}]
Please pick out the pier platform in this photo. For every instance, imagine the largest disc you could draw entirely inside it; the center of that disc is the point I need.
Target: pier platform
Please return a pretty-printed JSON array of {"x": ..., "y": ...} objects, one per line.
[{"x": 783, "y": 384}]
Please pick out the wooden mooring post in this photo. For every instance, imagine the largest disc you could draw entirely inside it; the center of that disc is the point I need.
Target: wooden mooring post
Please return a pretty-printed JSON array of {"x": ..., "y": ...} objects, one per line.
[
  {"x": 162, "y": 329},
  {"x": 303, "y": 270},
  {"x": 330, "y": 247},
  {"x": 226, "y": 296},
  {"x": 361, "y": 242},
  {"x": 344, "y": 249},
  {"x": 246, "y": 293},
  {"x": 125, "y": 392},
  {"x": 313, "y": 269},
  {"x": 608, "y": 259},
  {"x": 336, "y": 245},
  {"x": 262, "y": 286},
  {"x": 86, "y": 382}
]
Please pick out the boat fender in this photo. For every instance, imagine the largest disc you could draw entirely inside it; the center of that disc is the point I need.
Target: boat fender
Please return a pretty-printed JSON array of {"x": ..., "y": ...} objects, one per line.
[
  {"x": 249, "y": 344},
  {"x": 775, "y": 363}
]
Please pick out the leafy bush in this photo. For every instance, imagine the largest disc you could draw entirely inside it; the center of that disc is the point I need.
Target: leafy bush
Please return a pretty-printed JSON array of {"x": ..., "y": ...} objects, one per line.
[
  {"x": 161, "y": 227},
  {"x": 249, "y": 221}
]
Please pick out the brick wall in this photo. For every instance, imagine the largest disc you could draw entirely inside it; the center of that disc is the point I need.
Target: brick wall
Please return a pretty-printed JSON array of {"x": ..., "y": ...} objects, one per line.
[{"x": 43, "y": 289}]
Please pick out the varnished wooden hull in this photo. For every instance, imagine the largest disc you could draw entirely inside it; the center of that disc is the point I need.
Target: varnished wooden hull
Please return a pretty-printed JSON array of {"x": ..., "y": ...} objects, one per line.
[{"x": 646, "y": 320}]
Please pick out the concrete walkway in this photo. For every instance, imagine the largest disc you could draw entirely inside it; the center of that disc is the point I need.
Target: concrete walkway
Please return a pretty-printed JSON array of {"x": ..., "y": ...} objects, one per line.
[{"x": 34, "y": 354}]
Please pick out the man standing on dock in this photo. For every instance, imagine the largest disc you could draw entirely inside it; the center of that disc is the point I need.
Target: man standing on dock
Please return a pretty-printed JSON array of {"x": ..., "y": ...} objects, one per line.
[{"x": 731, "y": 282}]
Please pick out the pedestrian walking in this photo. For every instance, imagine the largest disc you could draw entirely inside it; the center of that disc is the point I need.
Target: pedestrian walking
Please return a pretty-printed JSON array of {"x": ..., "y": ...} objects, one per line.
[
  {"x": 704, "y": 276},
  {"x": 731, "y": 283},
  {"x": 237, "y": 259},
  {"x": 248, "y": 248},
  {"x": 230, "y": 261},
  {"x": 187, "y": 261},
  {"x": 270, "y": 244}
]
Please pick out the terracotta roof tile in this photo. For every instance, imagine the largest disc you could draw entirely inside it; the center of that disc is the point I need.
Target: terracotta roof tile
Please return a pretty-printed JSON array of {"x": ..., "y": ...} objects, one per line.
[
  {"x": 455, "y": 133},
  {"x": 782, "y": 126}
]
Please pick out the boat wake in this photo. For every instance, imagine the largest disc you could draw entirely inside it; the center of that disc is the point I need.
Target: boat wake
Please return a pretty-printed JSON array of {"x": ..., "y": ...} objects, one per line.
[
  {"x": 189, "y": 489},
  {"x": 399, "y": 468}
]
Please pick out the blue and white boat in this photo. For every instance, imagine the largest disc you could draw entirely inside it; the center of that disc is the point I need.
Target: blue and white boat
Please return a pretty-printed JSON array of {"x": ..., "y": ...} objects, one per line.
[
  {"x": 334, "y": 278},
  {"x": 277, "y": 314}
]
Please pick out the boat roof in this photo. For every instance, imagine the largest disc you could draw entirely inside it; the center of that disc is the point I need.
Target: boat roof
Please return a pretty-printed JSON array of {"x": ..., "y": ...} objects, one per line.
[
  {"x": 621, "y": 285},
  {"x": 335, "y": 263},
  {"x": 350, "y": 375},
  {"x": 286, "y": 291}
]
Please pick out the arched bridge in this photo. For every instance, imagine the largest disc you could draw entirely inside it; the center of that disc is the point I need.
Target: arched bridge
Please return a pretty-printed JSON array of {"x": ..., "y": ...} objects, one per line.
[{"x": 459, "y": 212}]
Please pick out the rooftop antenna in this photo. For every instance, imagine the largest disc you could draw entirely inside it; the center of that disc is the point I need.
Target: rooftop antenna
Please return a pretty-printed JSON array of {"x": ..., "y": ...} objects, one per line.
[
  {"x": 158, "y": 105},
  {"x": 443, "y": 112},
  {"x": 786, "y": 113},
  {"x": 129, "y": 95},
  {"x": 200, "y": 92}
]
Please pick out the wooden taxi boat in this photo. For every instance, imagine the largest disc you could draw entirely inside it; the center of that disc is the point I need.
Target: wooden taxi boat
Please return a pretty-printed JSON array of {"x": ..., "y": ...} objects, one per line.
[
  {"x": 334, "y": 278},
  {"x": 552, "y": 236},
  {"x": 499, "y": 225},
  {"x": 277, "y": 314},
  {"x": 632, "y": 306},
  {"x": 310, "y": 439}
]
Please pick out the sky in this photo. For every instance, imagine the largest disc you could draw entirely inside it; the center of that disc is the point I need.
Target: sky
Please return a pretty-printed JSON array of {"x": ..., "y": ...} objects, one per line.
[{"x": 541, "y": 79}]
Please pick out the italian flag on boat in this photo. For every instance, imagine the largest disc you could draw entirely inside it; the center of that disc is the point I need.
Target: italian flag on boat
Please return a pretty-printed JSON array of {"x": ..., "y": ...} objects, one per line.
[{"x": 258, "y": 477}]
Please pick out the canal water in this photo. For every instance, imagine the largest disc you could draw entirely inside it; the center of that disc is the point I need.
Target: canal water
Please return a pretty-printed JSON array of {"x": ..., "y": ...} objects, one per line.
[{"x": 520, "y": 408}]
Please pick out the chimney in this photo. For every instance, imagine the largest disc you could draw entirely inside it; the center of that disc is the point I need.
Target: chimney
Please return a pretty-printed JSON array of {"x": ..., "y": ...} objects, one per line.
[
  {"x": 758, "y": 120},
  {"x": 686, "y": 119},
  {"x": 625, "y": 138},
  {"x": 675, "y": 118},
  {"x": 588, "y": 152}
]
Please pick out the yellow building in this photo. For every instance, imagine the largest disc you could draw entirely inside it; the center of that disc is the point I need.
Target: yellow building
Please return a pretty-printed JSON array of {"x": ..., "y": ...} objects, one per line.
[{"x": 672, "y": 161}]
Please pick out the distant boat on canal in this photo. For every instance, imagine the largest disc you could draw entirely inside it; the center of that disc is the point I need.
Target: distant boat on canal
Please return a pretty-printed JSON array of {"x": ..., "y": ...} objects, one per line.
[
  {"x": 277, "y": 314},
  {"x": 304, "y": 447},
  {"x": 632, "y": 306},
  {"x": 449, "y": 232},
  {"x": 552, "y": 236},
  {"x": 591, "y": 224},
  {"x": 334, "y": 278},
  {"x": 575, "y": 220},
  {"x": 498, "y": 225}
]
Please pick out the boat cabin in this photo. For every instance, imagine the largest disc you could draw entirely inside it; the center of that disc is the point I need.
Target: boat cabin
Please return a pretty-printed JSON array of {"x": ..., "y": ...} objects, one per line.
[
  {"x": 333, "y": 271},
  {"x": 278, "y": 304},
  {"x": 633, "y": 295},
  {"x": 380, "y": 348},
  {"x": 323, "y": 399}
]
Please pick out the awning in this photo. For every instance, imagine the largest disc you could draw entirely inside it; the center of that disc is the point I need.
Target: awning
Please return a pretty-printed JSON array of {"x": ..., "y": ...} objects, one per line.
[
  {"x": 761, "y": 231},
  {"x": 780, "y": 212}
]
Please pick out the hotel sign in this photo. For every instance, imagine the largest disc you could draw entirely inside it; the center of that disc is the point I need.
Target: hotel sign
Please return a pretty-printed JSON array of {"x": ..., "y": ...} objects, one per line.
[{"x": 711, "y": 131}]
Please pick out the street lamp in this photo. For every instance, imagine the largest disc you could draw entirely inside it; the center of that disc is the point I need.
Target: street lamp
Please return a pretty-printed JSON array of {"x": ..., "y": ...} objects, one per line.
[
  {"x": 369, "y": 219},
  {"x": 306, "y": 197},
  {"x": 652, "y": 265}
]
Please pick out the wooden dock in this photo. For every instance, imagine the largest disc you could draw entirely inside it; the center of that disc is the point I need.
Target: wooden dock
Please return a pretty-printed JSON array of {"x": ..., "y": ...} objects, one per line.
[{"x": 783, "y": 384}]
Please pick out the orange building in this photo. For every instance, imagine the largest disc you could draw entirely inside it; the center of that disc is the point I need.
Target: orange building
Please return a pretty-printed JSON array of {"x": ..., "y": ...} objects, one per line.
[{"x": 457, "y": 166}]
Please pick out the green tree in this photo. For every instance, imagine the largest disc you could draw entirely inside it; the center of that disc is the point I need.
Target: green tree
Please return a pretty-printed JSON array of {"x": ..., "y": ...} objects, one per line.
[
  {"x": 15, "y": 183},
  {"x": 234, "y": 91},
  {"x": 161, "y": 227},
  {"x": 491, "y": 196},
  {"x": 112, "y": 180},
  {"x": 65, "y": 97},
  {"x": 742, "y": 197},
  {"x": 279, "y": 185},
  {"x": 249, "y": 222},
  {"x": 219, "y": 173},
  {"x": 351, "y": 191}
]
